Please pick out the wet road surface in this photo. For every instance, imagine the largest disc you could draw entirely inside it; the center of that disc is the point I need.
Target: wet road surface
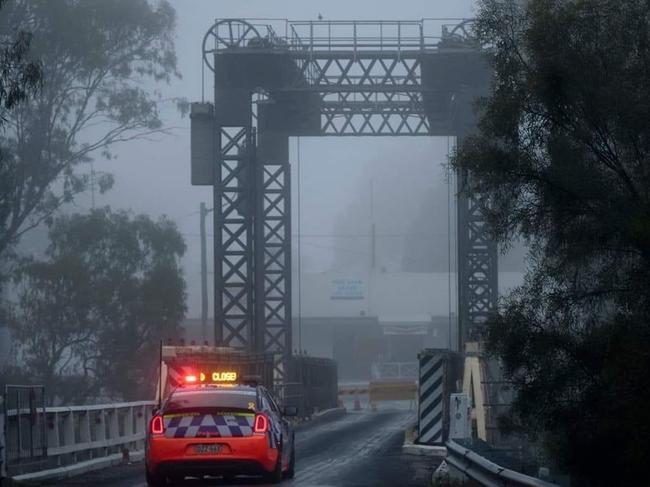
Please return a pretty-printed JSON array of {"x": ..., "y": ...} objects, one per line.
[{"x": 360, "y": 449}]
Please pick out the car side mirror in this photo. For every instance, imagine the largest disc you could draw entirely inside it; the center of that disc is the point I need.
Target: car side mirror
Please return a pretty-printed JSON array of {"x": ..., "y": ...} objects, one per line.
[{"x": 290, "y": 411}]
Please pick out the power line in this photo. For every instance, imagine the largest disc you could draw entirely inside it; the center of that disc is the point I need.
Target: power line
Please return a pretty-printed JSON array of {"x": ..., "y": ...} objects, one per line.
[
  {"x": 351, "y": 235},
  {"x": 449, "y": 245},
  {"x": 369, "y": 235},
  {"x": 299, "y": 250},
  {"x": 183, "y": 217}
]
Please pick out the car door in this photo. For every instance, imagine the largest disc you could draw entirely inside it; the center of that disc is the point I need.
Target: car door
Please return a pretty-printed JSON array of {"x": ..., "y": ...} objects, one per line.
[
  {"x": 275, "y": 422},
  {"x": 278, "y": 424},
  {"x": 287, "y": 435}
]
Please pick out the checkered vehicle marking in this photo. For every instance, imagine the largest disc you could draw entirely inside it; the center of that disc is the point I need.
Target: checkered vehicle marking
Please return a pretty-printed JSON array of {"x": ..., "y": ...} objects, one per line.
[{"x": 209, "y": 425}]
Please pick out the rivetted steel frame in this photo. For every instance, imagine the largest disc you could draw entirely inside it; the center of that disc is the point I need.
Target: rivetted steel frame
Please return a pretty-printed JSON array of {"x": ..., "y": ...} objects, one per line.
[{"x": 341, "y": 92}]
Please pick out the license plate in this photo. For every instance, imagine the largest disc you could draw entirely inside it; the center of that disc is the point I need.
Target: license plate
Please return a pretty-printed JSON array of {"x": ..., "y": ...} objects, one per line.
[{"x": 207, "y": 449}]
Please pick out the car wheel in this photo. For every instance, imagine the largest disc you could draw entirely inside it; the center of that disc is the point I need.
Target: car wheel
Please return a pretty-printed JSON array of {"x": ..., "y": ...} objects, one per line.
[
  {"x": 291, "y": 470},
  {"x": 275, "y": 477},
  {"x": 155, "y": 480}
]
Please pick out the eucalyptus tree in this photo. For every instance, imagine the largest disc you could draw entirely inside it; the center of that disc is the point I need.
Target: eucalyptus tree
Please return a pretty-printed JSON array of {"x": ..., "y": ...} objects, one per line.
[
  {"x": 562, "y": 157},
  {"x": 101, "y": 61},
  {"x": 90, "y": 315}
]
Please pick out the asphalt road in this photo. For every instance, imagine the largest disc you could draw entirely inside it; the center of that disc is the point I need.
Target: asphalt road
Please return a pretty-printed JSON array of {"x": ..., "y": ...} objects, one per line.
[{"x": 360, "y": 449}]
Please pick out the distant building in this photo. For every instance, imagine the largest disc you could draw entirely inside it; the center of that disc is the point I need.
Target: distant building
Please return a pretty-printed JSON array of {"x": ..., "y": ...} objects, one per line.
[{"x": 359, "y": 318}]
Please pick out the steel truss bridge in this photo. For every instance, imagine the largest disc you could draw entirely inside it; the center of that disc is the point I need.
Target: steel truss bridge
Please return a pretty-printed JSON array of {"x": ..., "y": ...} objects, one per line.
[{"x": 278, "y": 79}]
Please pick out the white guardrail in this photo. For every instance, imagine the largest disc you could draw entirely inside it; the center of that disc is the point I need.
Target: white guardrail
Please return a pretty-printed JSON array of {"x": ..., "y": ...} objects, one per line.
[
  {"x": 485, "y": 472},
  {"x": 79, "y": 438}
]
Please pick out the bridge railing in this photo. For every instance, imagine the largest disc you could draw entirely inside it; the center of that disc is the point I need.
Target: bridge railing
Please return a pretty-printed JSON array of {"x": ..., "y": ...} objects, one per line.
[
  {"x": 358, "y": 35},
  {"x": 85, "y": 436}
]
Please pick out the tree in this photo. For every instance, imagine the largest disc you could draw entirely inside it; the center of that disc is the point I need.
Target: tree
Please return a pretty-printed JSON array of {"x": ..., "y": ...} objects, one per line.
[
  {"x": 562, "y": 157},
  {"x": 95, "y": 310},
  {"x": 100, "y": 63},
  {"x": 18, "y": 76}
]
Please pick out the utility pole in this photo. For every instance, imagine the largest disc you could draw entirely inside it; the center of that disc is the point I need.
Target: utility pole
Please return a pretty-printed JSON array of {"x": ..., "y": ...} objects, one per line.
[
  {"x": 203, "y": 213},
  {"x": 373, "y": 235}
]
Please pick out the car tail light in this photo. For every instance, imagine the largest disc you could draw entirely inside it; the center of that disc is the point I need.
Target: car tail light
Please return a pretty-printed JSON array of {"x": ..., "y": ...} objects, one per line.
[
  {"x": 261, "y": 424},
  {"x": 190, "y": 379},
  {"x": 157, "y": 425}
]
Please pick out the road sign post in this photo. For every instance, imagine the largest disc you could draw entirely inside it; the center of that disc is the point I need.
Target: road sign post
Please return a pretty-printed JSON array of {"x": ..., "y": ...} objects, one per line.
[{"x": 3, "y": 462}]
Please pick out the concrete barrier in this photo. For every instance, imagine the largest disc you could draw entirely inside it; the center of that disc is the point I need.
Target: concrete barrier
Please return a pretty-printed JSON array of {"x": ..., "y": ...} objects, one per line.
[{"x": 393, "y": 390}]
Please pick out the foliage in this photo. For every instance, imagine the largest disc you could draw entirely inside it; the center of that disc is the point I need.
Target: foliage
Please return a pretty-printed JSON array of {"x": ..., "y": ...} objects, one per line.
[
  {"x": 19, "y": 76},
  {"x": 100, "y": 61},
  {"x": 562, "y": 157},
  {"x": 109, "y": 290}
]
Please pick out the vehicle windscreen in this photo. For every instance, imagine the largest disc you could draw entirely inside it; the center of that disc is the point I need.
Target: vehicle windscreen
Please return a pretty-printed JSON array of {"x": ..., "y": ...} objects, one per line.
[{"x": 213, "y": 398}]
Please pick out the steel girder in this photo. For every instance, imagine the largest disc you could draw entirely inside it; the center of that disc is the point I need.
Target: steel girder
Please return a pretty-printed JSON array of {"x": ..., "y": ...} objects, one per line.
[
  {"x": 273, "y": 261},
  {"x": 369, "y": 94},
  {"x": 379, "y": 93},
  {"x": 252, "y": 248},
  {"x": 376, "y": 112},
  {"x": 477, "y": 266},
  {"x": 354, "y": 121},
  {"x": 233, "y": 237},
  {"x": 368, "y": 71}
]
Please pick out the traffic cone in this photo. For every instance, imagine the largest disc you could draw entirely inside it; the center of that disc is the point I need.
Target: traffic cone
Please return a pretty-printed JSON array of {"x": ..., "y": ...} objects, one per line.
[{"x": 357, "y": 404}]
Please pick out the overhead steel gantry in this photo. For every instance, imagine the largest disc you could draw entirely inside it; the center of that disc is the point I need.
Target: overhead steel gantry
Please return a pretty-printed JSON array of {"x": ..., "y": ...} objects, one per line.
[{"x": 277, "y": 79}]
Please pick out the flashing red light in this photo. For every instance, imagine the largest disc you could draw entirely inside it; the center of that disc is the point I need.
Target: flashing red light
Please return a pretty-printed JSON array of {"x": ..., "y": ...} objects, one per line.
[
  {"x": 190, "y": 379},
  {"x": 261, "y": 424},
  {"x": 157, "y": 425}
]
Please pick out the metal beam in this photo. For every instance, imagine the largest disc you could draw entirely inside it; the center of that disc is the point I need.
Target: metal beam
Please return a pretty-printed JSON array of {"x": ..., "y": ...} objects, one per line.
[
  {"x": 477, "y": 266},
  {"x": 233, "y": 238},
  {"x": 396, "y": 81},
  {"x": 273, "y": 249}
]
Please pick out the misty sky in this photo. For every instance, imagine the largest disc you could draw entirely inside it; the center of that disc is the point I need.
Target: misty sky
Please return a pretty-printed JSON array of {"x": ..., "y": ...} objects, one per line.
[{"x": 153, "y": 176}]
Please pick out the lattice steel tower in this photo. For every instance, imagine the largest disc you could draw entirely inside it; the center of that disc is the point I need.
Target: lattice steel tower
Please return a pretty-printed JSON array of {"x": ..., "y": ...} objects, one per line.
[{"x": 274, "y": 80}]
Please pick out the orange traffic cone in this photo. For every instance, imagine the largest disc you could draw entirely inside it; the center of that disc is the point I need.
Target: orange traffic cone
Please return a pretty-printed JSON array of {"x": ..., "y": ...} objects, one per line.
[{"x": 357, "y": 404}]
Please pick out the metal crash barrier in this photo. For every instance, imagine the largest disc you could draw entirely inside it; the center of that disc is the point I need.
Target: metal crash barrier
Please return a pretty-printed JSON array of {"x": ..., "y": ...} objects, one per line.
[{"x": 485, "y": 472}]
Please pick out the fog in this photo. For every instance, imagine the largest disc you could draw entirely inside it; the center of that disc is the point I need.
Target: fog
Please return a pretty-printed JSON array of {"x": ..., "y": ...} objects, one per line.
[{"x": 152, "y": 176}]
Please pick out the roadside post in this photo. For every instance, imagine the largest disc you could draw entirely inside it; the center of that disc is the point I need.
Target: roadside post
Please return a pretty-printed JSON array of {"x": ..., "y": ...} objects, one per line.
[
  {"x": 436, "y": 382},
  {"x": 460, "y": 421},
  {"x": 3, "y": 462}
]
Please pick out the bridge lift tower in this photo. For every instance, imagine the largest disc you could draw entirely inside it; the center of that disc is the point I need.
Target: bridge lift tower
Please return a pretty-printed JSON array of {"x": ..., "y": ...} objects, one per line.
[{"x": 278, "y": 79}]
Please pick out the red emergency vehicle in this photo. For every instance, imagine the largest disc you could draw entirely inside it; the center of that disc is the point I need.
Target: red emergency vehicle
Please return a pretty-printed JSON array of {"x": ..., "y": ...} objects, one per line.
[
  {"x": 217, "y": 418},
  {"x": 224, "y": 427}
]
